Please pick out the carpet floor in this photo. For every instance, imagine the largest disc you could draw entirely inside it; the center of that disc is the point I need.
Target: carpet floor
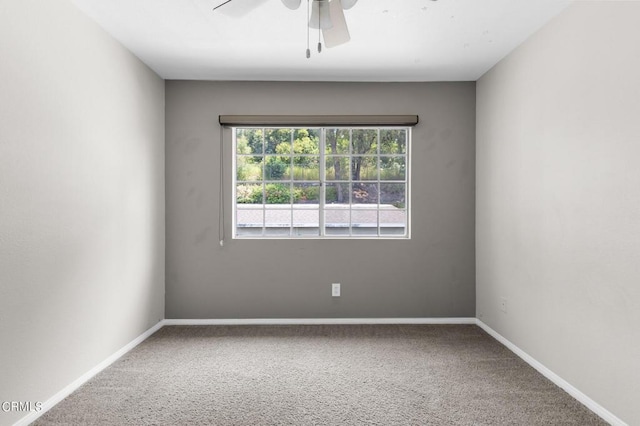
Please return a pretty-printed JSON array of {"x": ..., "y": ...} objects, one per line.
[{"x": 320, "y": 375}]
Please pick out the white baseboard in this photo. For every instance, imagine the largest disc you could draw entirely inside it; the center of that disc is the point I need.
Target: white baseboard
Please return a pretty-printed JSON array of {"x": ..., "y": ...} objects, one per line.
[
  {"x": 318, "y": 321},
  {"x": 605, "y": 414},
  {"x": 66, "y": 391}
]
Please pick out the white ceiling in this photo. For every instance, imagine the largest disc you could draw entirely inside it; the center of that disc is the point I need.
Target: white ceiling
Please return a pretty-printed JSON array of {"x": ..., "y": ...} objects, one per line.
[{"x": 391, "y": 40}]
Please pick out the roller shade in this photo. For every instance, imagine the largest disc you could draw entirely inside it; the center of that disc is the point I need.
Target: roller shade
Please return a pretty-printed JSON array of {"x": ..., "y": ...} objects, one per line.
[{"x": 318, "y": 120}]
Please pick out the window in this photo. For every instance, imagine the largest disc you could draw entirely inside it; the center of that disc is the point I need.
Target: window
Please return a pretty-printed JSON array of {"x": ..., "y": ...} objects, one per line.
[{"x": 321, "y": 182}]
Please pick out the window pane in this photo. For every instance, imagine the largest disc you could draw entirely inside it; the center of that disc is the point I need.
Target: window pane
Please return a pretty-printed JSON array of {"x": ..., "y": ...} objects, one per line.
[
  {"x": 307, "y": 232},
  {"x": 337, "y": 168},
  {"x": 306, "y": 168},
  {"x": 393, "y": 194},
  {"x": 337, "y": 221},
  {"x": 364, "y": 141},
  {"x": 392, "y": 168},
  {"x": 338, "y": 217},
  {"x": 362, "y": 218},
  {"x": 337, "y": 193},
  {"x": 392, "y": 222},
  {"x": 249, "y": 168},
  {"x": 249, "y": 218},
  {"x": 249, "y": 193},
  {"x": 364, "y": 222},
  {"x": 278, "y": 141},
  {"x": 248, "y": 232},
  {"x": 306, "y": 221},
  {"x": 393, "y": 141},
  {"x": 337, "y": 141},
  {"x": 277, "y": 168},
  {"x": 306, "y": 193},
  {"x": 364, "y": 168},
  {"x": 277, "y": 193},
  {"x": 338, "y": 231},
  {"x": 364, "y": 232},
  {"x": 364, "y": 193},
  {"x": 278, "y": 220},
  {"x": 306, "y": 217},
  {"x": 277, "y": 216},
  {"x": 277, "y": 232},
  {"x": 249, "y": 141},
  {"x": 306, "y": 141}
]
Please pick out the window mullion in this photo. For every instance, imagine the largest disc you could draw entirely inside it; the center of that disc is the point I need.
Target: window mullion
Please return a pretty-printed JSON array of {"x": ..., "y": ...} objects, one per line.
[
  {"x": 350, "y": 182},
  {"x": 291, "y": 227},
  {"x": 378, "y": 185},
  {"x": 321, "y": 178},
  {"x": 264, "y": 185}
]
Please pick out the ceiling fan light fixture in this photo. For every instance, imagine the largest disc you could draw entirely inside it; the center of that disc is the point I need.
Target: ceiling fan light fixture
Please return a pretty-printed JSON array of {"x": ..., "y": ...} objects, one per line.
[
  {"x": 320, "y": 15},
  {"x": 348, "y": 4},
  {"x": 292, "y": 4}
]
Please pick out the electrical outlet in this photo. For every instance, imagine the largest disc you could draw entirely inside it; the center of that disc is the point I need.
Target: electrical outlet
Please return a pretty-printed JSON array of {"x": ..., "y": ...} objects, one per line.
[
  {"x": 335, "y": 290},
  {"x": 503, "y": 304}
]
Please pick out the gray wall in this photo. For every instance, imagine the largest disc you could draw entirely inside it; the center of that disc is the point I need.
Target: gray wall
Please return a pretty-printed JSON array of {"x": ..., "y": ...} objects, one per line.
[
  {"x": 558, "y": 200},
  {"x": 81, "y": 198},
  {"x": 432, "y": 275}
]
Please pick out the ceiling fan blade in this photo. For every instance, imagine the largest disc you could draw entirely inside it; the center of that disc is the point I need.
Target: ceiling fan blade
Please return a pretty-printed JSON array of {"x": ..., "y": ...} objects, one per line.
[
  {"x": 339, "y": 33},
  {"x": 292, "y": 4},
  {"x": 348, "y": 4},
  {"x": 222, "y": 4}
]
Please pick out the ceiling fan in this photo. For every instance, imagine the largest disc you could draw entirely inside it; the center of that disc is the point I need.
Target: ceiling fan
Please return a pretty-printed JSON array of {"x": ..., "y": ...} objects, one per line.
[{"x": 327, "y": 16}]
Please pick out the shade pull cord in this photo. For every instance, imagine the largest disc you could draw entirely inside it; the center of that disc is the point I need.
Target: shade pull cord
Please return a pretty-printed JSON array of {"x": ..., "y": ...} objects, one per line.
[
  {"x": 319, "y": 30},
  {"x": 221, "y": 191},
  {"x": 307, "y": 24}
]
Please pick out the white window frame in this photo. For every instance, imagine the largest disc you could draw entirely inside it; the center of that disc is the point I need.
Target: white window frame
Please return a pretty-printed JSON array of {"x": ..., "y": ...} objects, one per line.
[{"x": 322, "y": 182}]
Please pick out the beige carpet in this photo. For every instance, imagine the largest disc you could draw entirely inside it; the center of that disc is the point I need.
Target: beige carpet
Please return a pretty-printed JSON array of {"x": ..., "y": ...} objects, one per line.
[{"x": 320, "y": 375}]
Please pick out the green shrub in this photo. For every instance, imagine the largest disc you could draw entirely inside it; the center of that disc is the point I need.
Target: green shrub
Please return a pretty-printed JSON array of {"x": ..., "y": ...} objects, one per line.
[
  {"x": 331, "y": 194},
  {"x": 275, "y": 168},
  {"x": 277, "y": 193},
  {"x": 243, "y": 173},
  {"x": 249, "y": 194},
  {"x": 280, "y": 193},
  {"x": 306, "y": 194}
]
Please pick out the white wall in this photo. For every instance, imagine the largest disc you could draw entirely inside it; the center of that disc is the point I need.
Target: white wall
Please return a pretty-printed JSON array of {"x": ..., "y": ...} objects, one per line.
[
  {"x": 558, "y": 200},
  {"x": 81, "y": 198}
]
